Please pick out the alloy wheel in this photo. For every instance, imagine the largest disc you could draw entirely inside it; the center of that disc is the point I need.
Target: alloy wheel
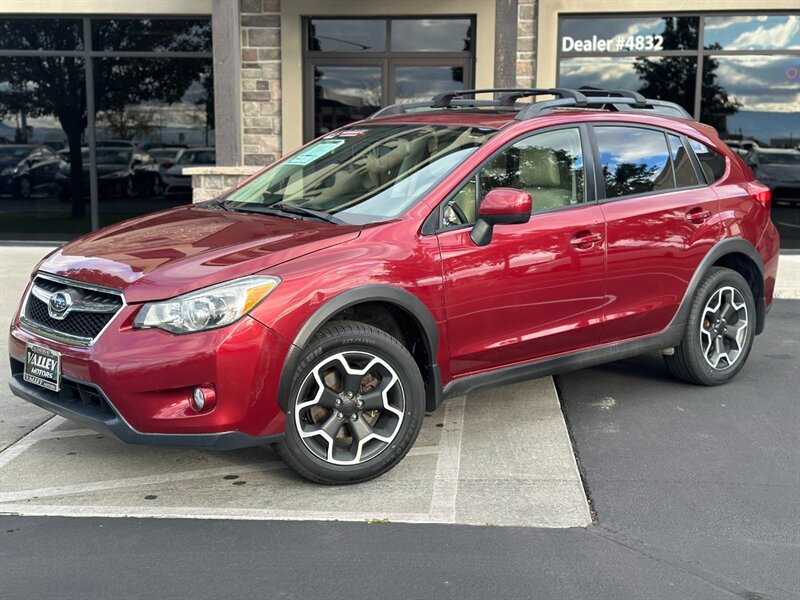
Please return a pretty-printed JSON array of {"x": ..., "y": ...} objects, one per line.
[
  {"x": 350, "y": 408},
  {"x": 723, "y": 328}
]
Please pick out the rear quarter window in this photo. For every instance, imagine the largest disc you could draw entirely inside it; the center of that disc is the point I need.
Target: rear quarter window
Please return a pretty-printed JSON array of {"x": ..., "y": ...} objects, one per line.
[{"x": 711, "y": 162}]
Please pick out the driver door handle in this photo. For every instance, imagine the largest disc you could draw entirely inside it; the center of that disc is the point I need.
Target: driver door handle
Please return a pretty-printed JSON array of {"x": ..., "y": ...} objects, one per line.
[{"x": 583, "y": 240}]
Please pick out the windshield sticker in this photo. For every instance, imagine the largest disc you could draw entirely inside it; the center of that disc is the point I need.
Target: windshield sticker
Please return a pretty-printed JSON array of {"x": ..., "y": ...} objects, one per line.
[
  {"x": 350, "y": 133},
  {"x": 316, "y": 151}
]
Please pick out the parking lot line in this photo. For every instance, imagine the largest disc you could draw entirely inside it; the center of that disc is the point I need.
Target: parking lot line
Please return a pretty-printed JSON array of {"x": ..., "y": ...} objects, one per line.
[{"x": 445, "y": 482}]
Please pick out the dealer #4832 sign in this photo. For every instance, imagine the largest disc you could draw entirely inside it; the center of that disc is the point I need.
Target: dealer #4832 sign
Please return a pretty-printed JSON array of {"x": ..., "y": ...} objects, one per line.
[{"x": 619, "y": 43}]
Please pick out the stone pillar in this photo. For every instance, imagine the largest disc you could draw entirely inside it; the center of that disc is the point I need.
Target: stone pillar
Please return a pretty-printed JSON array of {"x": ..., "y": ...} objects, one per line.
[
  {"x": 248, "y": 40},
  {"x": 526, "y": 43},
  {"x": 261, "y": 81}
]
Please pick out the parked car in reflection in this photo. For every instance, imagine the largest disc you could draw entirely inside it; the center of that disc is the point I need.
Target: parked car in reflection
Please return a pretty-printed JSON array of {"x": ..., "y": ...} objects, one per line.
[
  {"x": 28, "y": 168},
  {"x": 779, "y": 169},
  {"x": 166, "y": 157},
  {"x": 117, "y": 144},
  {"x": 742, "y": 147},
  {"x": 121, "y": 172},
  {"x": 178, "y": 184}
]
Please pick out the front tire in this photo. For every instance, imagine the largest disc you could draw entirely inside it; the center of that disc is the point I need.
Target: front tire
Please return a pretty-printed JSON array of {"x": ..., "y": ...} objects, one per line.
[
  {"x": 719, "y": 330},
  {"x": 23, "y": 189},
  {"x": 356, "y": 405}
]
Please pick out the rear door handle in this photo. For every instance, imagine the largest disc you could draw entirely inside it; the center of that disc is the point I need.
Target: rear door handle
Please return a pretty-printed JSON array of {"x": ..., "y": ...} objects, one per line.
[
  {"x": 698, "y": 215},
  {"x": 583, "y": 240}
]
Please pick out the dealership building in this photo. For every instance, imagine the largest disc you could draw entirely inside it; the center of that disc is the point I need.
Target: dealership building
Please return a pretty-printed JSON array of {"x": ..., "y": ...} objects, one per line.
[{"x": 257, "y": 78}]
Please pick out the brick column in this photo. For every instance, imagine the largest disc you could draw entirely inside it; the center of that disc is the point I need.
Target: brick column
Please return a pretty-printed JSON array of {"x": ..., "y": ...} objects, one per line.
[
  {"x": 261, "y": 81},
  {"x": 526, "y": 43}
]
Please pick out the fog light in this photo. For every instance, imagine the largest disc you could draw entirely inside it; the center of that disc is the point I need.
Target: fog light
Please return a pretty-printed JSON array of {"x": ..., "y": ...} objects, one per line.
[{"x": 203, "y": 398}]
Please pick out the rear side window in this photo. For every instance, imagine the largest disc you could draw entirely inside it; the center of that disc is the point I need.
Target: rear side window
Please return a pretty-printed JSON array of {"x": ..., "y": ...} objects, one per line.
[
  {"x": 634, "y": 160},
  {"x": 712, "y": 162},
  {"x": 685, "y": 175}
]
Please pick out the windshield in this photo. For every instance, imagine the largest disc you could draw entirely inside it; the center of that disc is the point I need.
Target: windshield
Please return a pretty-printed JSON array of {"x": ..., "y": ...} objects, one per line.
[
  {"x": 14, "y": 153},
  {"x": 108, "y": 156},
  {"x": 363, "y": 174},
  {"x": 779, "y": 158},
  {"x": 197, "y": 157}
]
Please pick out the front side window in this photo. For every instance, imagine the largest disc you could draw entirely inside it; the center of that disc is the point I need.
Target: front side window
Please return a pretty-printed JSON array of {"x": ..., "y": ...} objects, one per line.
[
  {"x": 549, "y": 165},
  {"x": 360, "y": 175},
  {"x": 634, "y": 161}
]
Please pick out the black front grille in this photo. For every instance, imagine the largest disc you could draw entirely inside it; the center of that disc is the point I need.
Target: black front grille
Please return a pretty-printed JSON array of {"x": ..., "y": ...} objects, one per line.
[
  {"x": 80, "y": 324},
  {"x": 85, "y": 324}
]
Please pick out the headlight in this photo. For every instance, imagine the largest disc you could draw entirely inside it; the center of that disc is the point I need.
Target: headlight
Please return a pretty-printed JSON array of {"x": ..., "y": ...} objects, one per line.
[
  {"x": 209, "y": 308},
  {"x": 10, "y": 171}
]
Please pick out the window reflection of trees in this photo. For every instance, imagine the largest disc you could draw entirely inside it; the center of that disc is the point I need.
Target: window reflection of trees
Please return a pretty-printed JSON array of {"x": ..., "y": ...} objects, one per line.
[
  {"x": 669, "y": 77},
  {"x": 55, "y": 85}
]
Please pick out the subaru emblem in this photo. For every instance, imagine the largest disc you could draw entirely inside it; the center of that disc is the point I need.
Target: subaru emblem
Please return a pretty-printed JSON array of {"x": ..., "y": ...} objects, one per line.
[{"x": 59, "y": 304}]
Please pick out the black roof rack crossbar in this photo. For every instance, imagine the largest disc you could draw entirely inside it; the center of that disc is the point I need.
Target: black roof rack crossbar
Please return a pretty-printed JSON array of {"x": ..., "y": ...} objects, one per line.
[
  {"x": 398, "y": 109},
  {"x": 640, "y": 100},
  {"x": 618, "y": 102},
  {"x": 445, "y": 99},
  {"x": 511, "y": 99}
]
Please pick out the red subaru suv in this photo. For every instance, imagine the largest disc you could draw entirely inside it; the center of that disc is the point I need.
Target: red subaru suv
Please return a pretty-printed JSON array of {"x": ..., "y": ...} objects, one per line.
[{"x": 326, "y": 303}]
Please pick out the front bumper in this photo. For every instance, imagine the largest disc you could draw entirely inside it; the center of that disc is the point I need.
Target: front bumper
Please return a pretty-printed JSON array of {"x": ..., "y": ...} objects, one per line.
[
  {"x": 138, "y": 383},
  {"x": 87, "y": 405}
]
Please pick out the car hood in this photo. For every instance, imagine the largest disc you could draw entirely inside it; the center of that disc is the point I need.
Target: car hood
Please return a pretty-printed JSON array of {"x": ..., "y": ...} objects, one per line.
[
  {"x": 176, "y": 251},
  {"x": 780, "y": 172}
]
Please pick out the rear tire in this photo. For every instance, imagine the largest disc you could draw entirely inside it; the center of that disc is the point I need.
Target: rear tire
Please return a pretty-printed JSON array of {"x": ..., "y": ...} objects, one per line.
[
  {"x": 719, "y": 330},
  {"x": 356, "y": 405}
]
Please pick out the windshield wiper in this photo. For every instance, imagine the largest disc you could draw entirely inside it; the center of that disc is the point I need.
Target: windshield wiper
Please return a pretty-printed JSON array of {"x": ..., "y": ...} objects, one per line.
[
  {"x": 306, "y": 212},
  {"x": 288, "y": 212},
  {"x": 219, "y": 204}
]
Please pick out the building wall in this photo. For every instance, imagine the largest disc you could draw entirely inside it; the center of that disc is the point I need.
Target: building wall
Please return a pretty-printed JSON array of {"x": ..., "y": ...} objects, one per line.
[{"x": 107, "y": 7}]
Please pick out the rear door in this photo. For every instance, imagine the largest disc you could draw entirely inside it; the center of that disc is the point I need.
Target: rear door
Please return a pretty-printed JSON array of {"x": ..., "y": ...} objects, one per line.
[
  {"x": 661, "y": 219},
  {"x": 536, "y": 289}
]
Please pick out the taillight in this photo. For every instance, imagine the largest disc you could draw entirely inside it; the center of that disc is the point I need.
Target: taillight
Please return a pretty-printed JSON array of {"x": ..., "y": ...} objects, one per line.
[{"x": 760, "y": 192}]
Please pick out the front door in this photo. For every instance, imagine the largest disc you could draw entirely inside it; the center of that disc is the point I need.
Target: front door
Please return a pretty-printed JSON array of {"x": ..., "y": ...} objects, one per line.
[{"x": 536, "y": 289}]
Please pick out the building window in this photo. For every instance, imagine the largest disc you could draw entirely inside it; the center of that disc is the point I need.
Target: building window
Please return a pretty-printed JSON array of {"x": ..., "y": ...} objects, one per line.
[
  {"x": 738, "y": 73},
  {"x": 353, "y": 67},
  {"x": 151, "y": 84}
]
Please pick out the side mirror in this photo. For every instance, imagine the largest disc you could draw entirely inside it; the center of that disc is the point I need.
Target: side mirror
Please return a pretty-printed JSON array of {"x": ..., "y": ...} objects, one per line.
[{"x": 501, "y": 206}]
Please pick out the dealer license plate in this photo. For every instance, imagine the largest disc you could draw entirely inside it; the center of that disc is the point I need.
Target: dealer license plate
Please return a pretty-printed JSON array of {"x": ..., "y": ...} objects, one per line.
[{"x": 42, "y": 367}]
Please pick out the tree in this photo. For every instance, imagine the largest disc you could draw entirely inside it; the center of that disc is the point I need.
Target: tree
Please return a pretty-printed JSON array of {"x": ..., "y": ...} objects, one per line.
[
  {"x": 670, "y": 77},
  {"x": 57, "y": 86}
]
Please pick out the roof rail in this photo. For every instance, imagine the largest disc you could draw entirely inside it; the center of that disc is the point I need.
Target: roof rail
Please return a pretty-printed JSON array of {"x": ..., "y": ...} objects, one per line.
[{"x": 621, "y": 100}]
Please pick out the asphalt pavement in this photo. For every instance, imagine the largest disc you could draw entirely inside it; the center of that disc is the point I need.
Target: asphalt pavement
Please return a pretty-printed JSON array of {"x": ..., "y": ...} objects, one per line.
[
  {"x": 787, "y": 219},
  {"x": 695, "y": 492}
]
